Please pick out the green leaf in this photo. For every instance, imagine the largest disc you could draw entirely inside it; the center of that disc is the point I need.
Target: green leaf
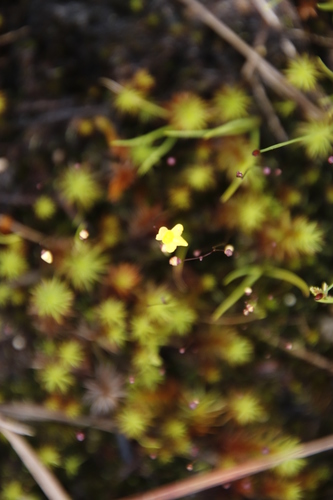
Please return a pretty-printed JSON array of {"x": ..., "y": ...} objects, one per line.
[
  {"x": 230, "y": 191},
  {"x": 156, "y": 155},
  {"x": 290, "y": 277},
  {"x": 235, "y": 295},
  {"x": 238, "y": 273},
  {"x": 186, "y": 134},
  {"x": 142, "y": 139},
  {"x": 323, "y": 66},
  {"x": 234, "y": 127},
  {"x": 325, "y": 6},
  {"x": 326, "y": 300}
]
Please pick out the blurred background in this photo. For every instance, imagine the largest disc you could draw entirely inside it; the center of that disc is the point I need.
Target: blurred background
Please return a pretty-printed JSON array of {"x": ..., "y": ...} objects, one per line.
[{"x": 132, "y": 371}]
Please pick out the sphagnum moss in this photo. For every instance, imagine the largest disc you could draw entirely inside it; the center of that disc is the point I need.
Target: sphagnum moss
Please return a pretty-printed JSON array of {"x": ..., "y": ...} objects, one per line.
[
  {"x": 84, "y": 265},
  {"x": 52, "y": 298},
  {"x": 79, "y": 187}
]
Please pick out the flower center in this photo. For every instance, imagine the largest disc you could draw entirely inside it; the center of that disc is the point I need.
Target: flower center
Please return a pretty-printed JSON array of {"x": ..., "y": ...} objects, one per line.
[{"x": 168, "y": 237}]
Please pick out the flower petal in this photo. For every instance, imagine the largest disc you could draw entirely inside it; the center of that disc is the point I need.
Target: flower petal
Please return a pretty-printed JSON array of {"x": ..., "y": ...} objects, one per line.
[
  {"x": 169, "y": 247},
  {"x": 178, "y": 229},
  {"x": 180, "y": 242},
  {"x": 161, "y": 233}
]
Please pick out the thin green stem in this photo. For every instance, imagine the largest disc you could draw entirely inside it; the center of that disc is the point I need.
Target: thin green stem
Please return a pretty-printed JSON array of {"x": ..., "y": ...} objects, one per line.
[
  {"x": 282, "y": 144},
  {"x": 142, "y": 139}
]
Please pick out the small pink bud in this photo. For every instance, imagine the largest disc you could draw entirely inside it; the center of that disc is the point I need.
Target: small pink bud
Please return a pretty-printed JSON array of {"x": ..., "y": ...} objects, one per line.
[
  {"x": 229, "y": 250},
  {"x": 278, "y": 172},
  {"x": 330, "y": 159},
  {"x": 171, "y": 161},
  {"x": 193, "y": 404},
  {"x": 175, "y": 261},
  {"x": 80, "y": 436},
  {"x": 266, "y": 170},
  {"x": 239, "y": 175}
]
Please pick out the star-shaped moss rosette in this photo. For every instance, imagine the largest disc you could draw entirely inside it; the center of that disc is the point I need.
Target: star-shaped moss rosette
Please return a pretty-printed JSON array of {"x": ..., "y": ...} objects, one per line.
[
  {"x": 171, "y": 238},
  {"x": 321, "y": 294}
]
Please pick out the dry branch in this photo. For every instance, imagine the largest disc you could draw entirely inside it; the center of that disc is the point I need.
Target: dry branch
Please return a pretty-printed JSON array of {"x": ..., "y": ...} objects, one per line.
[
  {"x": 270, "y": 75},
  {"x": 203, "y": 482}
]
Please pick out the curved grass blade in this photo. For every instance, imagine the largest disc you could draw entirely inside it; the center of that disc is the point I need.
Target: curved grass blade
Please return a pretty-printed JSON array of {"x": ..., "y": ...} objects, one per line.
[
  {"x": 238, "y": 273},
  {"x": 186, "y": 134},
  {"x": 234, "y": 127},
  {"x": 156, "y": 155},
  {"x": 290, "y": 277},
  {"x": 142, "y": 140},
  {"x": 235, "y": 295}
]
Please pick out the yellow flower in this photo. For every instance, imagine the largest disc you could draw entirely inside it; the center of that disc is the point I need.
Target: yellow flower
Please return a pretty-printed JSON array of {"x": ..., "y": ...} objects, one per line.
[{"x": 171, "y": 238}]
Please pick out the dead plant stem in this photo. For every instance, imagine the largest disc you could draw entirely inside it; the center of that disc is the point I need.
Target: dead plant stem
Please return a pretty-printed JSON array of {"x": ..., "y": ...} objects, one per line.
[{"x": 269, "y": 74}]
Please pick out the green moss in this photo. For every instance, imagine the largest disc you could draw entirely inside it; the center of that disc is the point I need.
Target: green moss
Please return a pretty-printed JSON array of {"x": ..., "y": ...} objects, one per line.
[
  {"x": 12, "y": 263},
  {"x": 79, "y": 187},
  {"x": 44, "y": 207},
  {"x": 246, "y": 408},
  {"x": 188, "y": 112},
  {"x": 52, "y": 298},
  {"x": 133, "y": 422},
  {"x": 303, "y": 72},
  {"x": 231, "y": 102},
  {"x": 56, "y": 378},
  {"x": 49, "y": 456},
  {"x": 84, "y": 265}
]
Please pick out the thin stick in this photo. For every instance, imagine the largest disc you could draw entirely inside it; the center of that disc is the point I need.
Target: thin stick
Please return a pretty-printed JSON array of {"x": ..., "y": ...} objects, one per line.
[
  {"x": 22, "y": 429},
  {"x": 36, "y": 413},
  {"x": 12, "y": 36},
  {"x": 298, "y": 352},
  {"x": 267, "y": 14},
  {"x": 44, "y": 478},
  {"x": 270, "y": 75},
  {"x": 202, "y": 482}
]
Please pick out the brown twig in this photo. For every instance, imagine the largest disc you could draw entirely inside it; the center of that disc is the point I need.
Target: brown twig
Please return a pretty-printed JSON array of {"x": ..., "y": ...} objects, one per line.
[
  {"x": 323, "y": 41},
  {"x": 298, "y": 352},
  {"x": 202, "y": 482},
  {"x": 22, "y": 429},
  {"x": 267, "y": 14},
  {"x": 44, "y": 478},
  {"x": 14, "y": 35},
  {"x": 35, "y": 413},
  {"x": 269, "y": 74},
  {"x": 260, "y": 95}
]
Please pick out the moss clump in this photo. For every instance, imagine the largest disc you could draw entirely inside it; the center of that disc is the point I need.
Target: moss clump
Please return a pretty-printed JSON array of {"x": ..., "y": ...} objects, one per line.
[
  {"x": 84, "y": 265},
  {"x": 44, "y": 207},
  {"x": 52, "y": 298},
  {"x": 231, "y": 102},
  {"x": 188, "y": 112},
  {"x": 78, "y": 186},
  {"x": 303, "y": 72}
]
